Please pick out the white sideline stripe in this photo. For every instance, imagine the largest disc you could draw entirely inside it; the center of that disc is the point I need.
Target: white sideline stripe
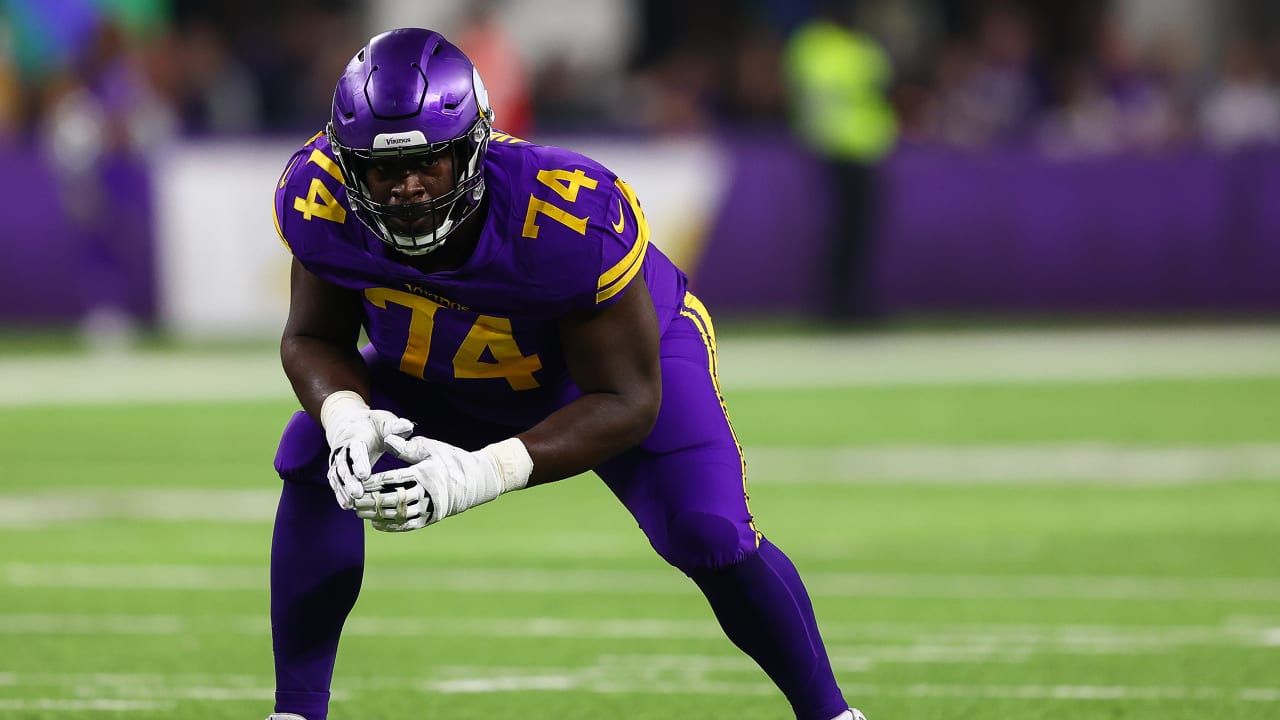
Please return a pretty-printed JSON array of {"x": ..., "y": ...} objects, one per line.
[
  {"x": 577, "y": 683},
  {"x": 1030, "y": 464},
  {"x": 610, "y": 674},
  {"x": 1002, "y": 356},
  {"x": 141, "y": 378},
  {"x": 97, "y": 705},
  {"x": 1096, "y": 463},
  {"x": 810, "y": 361},
  {"x": 649, "y": 582},
  {"x": 164, "y": 504},
  {"x": 877, "y": 642}
]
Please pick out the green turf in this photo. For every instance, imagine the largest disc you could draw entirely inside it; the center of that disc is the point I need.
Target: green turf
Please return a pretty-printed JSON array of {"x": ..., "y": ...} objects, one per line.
[{"x": 998, "y": 601}]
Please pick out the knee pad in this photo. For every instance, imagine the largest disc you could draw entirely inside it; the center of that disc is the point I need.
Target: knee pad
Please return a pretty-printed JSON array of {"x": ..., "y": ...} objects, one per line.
[
  {"x": 303, "y": 453},
  {"x": 698, "y": 542}
]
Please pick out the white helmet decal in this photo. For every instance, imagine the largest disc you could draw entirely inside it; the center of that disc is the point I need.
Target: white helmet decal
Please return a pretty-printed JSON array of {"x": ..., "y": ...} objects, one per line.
[
  {"x": 482, "y": 94},
  {"x": 387, "y": 141}
]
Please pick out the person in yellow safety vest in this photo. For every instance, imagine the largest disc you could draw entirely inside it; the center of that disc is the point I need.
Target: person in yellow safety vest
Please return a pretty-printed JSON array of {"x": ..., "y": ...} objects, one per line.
[{"x": 838, "y": 78}]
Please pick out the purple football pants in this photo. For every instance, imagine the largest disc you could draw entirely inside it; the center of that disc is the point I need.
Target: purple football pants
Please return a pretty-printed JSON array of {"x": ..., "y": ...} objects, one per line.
[{"x": 684, "y": 485}]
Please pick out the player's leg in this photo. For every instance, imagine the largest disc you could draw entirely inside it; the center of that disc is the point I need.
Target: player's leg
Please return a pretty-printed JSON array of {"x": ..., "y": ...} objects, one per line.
[
  {"x": 754, "y": 590},
  {"x": 317, "y": 550},
  {"x": 685, "y": 486},
  {"x": 317, "y": 561}
]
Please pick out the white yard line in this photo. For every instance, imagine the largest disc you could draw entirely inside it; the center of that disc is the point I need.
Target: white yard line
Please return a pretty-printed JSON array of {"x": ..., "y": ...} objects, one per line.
[
  {"x": 65, "y": 705},
  {"x": 144, "y": 578},
  {"x": 745, "y": 362},
  {"x": 610, "y": 674},
  {"x": 590, "y": 682},
  {"x": 1014, "y": 465},
  {"x": 1012, "y": 356},
  {"x": 141, "y": 378},
  {"x": 853, "y": 643},
  {"x": 1023, "y": 464}
]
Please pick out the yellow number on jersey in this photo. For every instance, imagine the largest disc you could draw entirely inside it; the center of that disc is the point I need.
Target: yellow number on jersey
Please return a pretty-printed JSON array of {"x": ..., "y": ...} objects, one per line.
[
  {"x": 565, "y": 184},
  {"x": 320, "y": 202},
  {"x": 493, "y": 334},
  {"x": 488, "y": 351},
  {"x": 421, "y": 321}
]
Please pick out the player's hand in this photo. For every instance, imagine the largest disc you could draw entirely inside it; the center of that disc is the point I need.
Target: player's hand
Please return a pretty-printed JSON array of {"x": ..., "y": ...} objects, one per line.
[
  {"x": 355, "y": 434},
  {"x": 442, "y": 480},
  {"x": 397, "y": 503}
]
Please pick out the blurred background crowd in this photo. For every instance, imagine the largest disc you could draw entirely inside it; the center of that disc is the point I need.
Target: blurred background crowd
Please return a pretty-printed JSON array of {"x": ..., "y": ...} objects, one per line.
[
  {"x": 871, "y": 136},
  {"x": 1087, "y": 76}
]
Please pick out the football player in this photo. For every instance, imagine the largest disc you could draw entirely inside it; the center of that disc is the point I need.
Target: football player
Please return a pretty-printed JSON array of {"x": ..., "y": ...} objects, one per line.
[{"x": 522, "y": 329}]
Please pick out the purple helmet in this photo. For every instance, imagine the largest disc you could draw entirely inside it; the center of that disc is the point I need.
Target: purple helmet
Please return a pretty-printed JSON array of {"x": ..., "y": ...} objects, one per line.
[{"x": 410, "y": 92}]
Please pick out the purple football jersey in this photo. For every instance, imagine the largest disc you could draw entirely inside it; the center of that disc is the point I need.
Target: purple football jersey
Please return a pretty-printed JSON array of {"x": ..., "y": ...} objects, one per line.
[{"x": 563, "y": 233}]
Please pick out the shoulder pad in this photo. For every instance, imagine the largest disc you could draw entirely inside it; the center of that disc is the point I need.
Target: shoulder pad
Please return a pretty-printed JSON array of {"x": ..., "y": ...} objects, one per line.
[{"x": 310, "y": 197}]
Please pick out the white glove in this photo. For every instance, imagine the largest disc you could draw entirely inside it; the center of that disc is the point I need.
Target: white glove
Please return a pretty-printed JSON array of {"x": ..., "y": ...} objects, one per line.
[
  {"x": 443, "y": 480},
  {"x": 355, "y": 434}
]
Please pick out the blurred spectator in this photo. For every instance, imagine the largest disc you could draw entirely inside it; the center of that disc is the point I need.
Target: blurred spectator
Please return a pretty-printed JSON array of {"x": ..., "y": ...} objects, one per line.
[
  {"x": 839, "y": 77},
  {"x": 755, "y": 87},
  {"x": 215, "y": 92},
  {"x": 674, "y": 84},
  {"x": 296, "y": 54},
  {"x": 676, "y": 94},
  {"x": 1143, "y": 100},
  {"x": 10, "y": 86},
  {"x": 1243, "y": 107},
  {"x": 567, "y": 97},
  {"x": 47, "y": 33},
  {"x": 99, "y": 118},
  {"x": 1111, "y": 103},
  {"x": 986, "y": 90},
  {"x": 1084, "y": 120},
  {"x": 1068, "y": 77},
  {"x": 501, "y": 66}
]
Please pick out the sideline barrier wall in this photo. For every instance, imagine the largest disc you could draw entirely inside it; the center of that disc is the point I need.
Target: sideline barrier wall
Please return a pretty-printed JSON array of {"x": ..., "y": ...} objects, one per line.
[{"x": 995, "y": 233}]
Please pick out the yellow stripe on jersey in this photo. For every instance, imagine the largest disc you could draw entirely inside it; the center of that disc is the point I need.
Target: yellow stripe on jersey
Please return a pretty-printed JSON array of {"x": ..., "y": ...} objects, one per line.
[
  {"x": 615, "y": 279},
  {"x": 275, "y": 217},
  {"x": 275, "y": 212},
  {"x": 693, "y": 309},
  {"x": 284, "y": 176},
  {"x": 326, "y": 163}
]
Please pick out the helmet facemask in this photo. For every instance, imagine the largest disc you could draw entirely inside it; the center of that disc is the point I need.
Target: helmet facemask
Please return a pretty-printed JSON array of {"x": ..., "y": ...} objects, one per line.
[{"x": 447, "y": 211}]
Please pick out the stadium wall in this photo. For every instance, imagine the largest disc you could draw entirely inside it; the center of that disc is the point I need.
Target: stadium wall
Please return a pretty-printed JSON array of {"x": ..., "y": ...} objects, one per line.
[{"x": 190, "y": 243}]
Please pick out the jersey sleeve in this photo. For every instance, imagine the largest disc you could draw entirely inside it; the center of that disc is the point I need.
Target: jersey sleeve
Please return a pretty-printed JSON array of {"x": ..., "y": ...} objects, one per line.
[
  {"x": 313, "y": 220},
  {"x": 577, "y": 234},
  {"x": 624, "y": 243},
  {"x": 279, "y": 209},
  {"x": 310, "y": 198}
]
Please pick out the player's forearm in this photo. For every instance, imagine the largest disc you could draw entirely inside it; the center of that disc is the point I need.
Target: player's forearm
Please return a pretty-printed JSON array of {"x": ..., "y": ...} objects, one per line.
[
  {"x": 586, "y": 432},
  {"x": 318, "y": 368}
]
